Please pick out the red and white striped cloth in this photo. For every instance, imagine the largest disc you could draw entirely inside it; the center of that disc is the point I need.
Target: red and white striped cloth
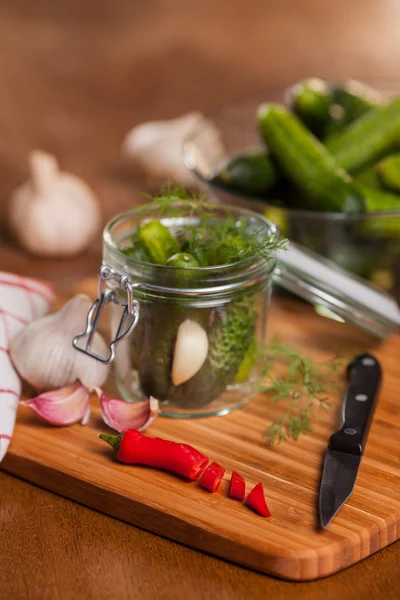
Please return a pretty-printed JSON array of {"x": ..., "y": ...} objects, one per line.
[{"x": 22, "y": 300}]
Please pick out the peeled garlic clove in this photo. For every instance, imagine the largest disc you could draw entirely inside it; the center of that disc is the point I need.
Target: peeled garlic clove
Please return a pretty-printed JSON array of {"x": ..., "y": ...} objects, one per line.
[
  {"x": 155, "y": 147},
  {"x": 191, "y": 349},
  {"x": 54, "y": 213},
  {"x": 65, "y": 406},
  {"x": 121, "y": 415},
  {"x": 44, "y": 356}
]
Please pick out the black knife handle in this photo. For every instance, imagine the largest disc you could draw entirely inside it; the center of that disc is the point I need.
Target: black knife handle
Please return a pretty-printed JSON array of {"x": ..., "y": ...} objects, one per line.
[{"x": 364, "y": 375}]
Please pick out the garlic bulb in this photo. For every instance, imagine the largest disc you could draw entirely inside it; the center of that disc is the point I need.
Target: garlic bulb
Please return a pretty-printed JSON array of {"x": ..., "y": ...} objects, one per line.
[
  {"x": 54, "y": 213},
  {"x": 155, "y": 147},
  {"x": 44, "y": 356},
  {"x": 191, "y": 349}
]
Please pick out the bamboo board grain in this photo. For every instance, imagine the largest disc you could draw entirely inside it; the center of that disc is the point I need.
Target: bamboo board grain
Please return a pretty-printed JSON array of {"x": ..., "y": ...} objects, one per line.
[{"x": 73, "y": 462}]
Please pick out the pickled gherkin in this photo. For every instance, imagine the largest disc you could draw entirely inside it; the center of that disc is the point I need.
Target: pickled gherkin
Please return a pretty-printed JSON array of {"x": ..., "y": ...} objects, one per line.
[
  {"x": 230, "y": 337},
  {"x": 183, "y": 259},
  {"x": 162, "y": 321},
  {"x": 230, "y": 329},
  {"x": 158, "y": 241}
]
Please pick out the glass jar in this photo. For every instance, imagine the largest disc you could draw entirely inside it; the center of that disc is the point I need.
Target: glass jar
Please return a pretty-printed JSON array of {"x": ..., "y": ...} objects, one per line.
[
  {"x": 149, "y": 303},
  {"x": 230, "y": 303}
]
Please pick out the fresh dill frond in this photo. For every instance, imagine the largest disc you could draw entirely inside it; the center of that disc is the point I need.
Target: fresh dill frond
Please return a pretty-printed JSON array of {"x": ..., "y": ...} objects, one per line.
[
  {"x": 174, "y": 200},
  {"x": 266, "y": 247},
  {"x": 302, "y": 384},
  {"x": 218, "y": 237}
]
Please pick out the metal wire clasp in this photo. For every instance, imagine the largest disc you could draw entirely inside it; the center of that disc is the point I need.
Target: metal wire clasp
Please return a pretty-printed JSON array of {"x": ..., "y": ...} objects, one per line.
[{"x": 127, "y": 323}]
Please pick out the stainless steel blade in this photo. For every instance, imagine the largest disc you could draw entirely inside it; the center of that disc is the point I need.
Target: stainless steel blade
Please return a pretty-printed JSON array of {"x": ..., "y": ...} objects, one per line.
[{"x": 338, "y": 478}]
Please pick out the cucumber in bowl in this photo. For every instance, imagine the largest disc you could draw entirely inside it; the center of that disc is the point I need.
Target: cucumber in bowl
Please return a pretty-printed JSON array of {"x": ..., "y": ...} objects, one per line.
[{"x": 350, "y": 216}]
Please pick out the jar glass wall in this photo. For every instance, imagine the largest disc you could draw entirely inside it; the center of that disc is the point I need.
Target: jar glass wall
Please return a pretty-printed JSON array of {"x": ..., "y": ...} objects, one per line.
[{"x": 230, "y": 303}]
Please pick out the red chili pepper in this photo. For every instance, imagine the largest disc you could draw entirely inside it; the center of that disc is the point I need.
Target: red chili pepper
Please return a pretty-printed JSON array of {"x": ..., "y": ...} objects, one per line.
[
  {"x": 133, "y": 447},
  {"x": 238, "y": 486},
  {"x": 212, "y": 477},
  {"x": 256, "y": 501}
]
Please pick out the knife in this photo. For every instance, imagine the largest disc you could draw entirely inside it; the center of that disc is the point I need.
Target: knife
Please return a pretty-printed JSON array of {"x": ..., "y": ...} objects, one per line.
[{"x": 346, "y": 446}]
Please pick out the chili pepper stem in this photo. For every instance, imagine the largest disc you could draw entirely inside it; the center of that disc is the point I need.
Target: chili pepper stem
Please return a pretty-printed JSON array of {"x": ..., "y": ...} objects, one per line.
[{"x": 113, "y": 440}]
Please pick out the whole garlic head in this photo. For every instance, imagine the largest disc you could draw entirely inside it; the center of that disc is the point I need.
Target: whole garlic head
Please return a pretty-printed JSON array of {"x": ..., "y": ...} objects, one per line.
[
  {"x": 54, "y": 213},
  {"x": 155, "y": 147},
  {"x": 44, "y": 356}
]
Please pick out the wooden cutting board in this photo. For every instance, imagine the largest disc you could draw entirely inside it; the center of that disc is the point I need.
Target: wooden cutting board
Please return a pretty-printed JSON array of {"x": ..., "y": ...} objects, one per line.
[{"x": 75, "y": 463}]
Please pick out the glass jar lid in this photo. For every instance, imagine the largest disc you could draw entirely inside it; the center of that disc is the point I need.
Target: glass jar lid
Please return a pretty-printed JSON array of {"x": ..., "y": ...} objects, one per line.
[{"x": 333, "y": 290}]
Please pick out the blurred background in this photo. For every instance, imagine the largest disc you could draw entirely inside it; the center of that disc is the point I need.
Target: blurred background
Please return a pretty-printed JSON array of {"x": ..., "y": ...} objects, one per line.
[{"x": 76, "y": 76}]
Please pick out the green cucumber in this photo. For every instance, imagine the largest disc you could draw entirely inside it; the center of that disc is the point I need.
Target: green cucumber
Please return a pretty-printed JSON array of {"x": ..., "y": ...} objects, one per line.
[
  {"x": 388, "y": 172},
  {"x": 351, "y": 100},
  {"x": 250, "y": 173},
  {"x": 377, "y": 200},
  {"x": 306, "y": 162},
  {"x": 158, "y": 241},
  {"x": 327, "y": 108},
  {"x": 356, "y": 98},
  {"x": 182, "y": 259},
  {"x": 368, "y": 177},
  {"x": 311, "y": 100},
  {"x": 367, "y": 138}
]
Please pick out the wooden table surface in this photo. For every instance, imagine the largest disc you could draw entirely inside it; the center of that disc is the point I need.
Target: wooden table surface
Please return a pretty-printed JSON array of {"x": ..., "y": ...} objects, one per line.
[{"x": 74, "y": 77}]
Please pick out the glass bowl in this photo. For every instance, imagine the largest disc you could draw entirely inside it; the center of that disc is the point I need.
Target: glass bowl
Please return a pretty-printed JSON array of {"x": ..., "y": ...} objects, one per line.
[{"x": 367, "y": 244}]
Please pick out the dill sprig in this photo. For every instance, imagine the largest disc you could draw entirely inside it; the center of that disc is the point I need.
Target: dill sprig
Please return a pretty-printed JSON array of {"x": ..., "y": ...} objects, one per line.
[
  {"x": 212, "y": 240},
  {"x": 302, "y": 384},
  {"x": 169, "y": 201}
]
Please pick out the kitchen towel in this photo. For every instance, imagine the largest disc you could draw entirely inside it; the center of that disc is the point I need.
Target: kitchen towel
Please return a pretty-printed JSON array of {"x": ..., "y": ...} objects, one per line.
[{"x": 22, "y": 299}]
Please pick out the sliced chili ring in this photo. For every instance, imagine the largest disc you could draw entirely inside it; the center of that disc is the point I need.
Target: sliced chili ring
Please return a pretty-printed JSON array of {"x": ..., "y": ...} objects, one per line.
[
  {"x": 212, "y": 477},
  {"x": 238, "y": 486}
]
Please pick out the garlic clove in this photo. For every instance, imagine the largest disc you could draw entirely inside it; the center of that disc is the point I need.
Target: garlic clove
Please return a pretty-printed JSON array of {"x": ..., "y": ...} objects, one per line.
[
  {"x": 43, "y": 354},
  {"x": 155, "y": 147},
  {"x": 191, "y": 349},
  {"x": 121, "y": 415},
  {"x": 54, "y": 213},
  {"x": 64, "y": 406}
]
